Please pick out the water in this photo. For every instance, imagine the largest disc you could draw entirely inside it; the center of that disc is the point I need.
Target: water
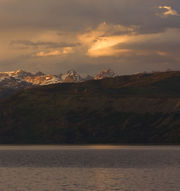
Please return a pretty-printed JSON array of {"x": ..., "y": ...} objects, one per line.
[{"x": 89, "y": 168}]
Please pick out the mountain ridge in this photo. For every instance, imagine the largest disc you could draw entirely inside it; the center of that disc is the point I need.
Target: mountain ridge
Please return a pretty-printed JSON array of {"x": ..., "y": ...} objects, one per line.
[
  {"x": 46, "y": 79},
  {"x": 18, "y": 80}
]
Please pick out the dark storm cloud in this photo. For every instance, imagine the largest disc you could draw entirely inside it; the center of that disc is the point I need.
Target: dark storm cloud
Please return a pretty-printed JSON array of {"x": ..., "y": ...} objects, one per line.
[{"x": 75, "y": 14}]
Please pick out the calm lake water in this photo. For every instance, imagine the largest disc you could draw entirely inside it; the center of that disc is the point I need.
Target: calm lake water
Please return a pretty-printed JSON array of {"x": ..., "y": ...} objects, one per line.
[{"x": 89, "y": 168}]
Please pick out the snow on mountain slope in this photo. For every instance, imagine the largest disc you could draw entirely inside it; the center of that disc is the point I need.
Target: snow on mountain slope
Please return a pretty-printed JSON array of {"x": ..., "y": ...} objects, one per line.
[
  {"x": 18, "y": 74},
  {"x": 22, "y": 78},
  {"x": 27, "y": 77},
  {"x": 71, "y": 76},
  {"x": 108, "y": 73},
  {"x": 43, "y": 79}
]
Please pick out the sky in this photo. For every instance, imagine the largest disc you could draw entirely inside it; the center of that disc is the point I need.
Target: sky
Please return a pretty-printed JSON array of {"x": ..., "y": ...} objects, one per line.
[{"x": 53, "y": 36}]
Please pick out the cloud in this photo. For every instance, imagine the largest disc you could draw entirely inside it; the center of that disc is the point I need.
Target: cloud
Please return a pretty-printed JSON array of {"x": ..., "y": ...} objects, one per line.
[
  {"x": 105, "y": 29},
  {"x": 101, "y": 42},
  {"x": 161, "y": 53},
  {"x": 64, "y": 51},
  {"x": 74, "y": 15},
  {"x": 168, "y": 10},
  {"x": 45, "y": 44},
  {"x": 104, "y": 46},
  {"x": 32, "y": 44}
]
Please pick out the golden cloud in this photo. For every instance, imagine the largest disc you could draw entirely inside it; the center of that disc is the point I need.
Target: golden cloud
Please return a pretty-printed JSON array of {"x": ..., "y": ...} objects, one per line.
[
  {"x": 105, "y": 46},
  {"x": 64, "y": 51},
  {"x": 102, "y": 42},
  {"x": 161, "y": 53},
  {"x": 105, "y": 30},
  {"x": 168, "y": 11}
]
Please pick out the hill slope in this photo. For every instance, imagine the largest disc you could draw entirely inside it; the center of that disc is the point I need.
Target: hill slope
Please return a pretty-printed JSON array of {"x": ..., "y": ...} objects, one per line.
[{"x": 142, "y": 108}]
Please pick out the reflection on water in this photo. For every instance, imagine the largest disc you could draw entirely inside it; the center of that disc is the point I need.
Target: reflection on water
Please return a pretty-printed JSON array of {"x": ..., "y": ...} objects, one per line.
[
  {"x": 88, "y": 179},
  {"x": 101, "y": 168}
]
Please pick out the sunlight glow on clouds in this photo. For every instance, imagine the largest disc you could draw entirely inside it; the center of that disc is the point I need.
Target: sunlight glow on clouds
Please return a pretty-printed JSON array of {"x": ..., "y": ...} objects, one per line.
[
  {"x": 65, "y": 51},
  {"x": 101, "y": 43},
  {"x": 168, "y": 11},
  {"x": 104, "y": 46},
  {"x": 161, "y": 53}
]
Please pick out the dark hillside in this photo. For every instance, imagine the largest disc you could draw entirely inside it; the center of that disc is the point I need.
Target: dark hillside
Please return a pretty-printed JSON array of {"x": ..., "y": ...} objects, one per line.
[{"x": 141, "y": 108}]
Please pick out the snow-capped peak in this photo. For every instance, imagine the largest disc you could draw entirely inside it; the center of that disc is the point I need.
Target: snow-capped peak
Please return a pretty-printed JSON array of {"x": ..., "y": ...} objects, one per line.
[
  {"x": 108, "y": 73},
  {"x": 39, "y": 78},
  {"x": 18, "y": 74},
  {"x": 71, "y": 76}
]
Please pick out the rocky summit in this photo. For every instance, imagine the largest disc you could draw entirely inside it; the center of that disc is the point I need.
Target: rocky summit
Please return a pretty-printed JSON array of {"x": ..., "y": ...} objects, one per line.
[{"x": 105, "y": 74}]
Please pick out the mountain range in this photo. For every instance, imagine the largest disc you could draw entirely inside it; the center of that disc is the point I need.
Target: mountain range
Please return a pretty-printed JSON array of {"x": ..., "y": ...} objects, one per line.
[
  {"x": 12, "y": 81},
  {"x": 40, "y": 78}
]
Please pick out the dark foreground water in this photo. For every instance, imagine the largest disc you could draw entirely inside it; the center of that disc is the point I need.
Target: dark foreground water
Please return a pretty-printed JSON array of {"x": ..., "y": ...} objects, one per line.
[{"x": 89, "y": 168}]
